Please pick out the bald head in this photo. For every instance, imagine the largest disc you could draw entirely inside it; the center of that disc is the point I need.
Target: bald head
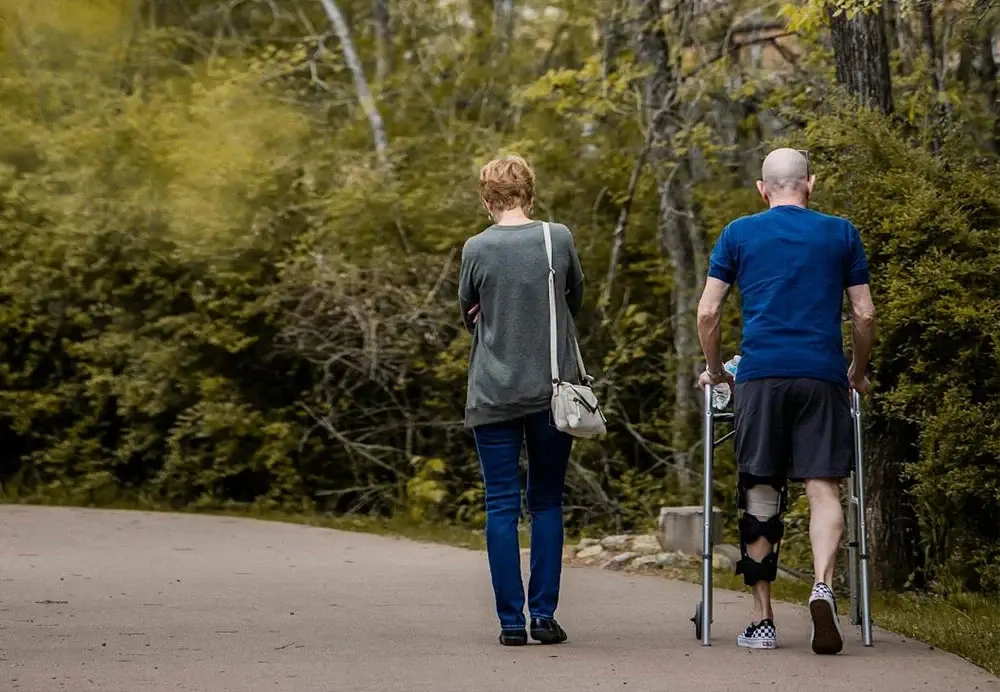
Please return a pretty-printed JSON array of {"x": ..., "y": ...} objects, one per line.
[{"x": 785, "y": 177}]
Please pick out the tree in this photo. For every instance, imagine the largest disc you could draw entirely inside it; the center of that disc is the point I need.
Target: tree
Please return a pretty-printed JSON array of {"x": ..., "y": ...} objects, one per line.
[
  {"x": 862, "y": 55},
  {"x": 383, "y": 39},
  {"x": 660, "y": 97},
  {"x": 364, "y": 93}
]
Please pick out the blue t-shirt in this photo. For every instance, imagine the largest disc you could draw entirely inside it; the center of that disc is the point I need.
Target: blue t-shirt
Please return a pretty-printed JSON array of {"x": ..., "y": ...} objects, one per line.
[{"x": 792, "y": 266}]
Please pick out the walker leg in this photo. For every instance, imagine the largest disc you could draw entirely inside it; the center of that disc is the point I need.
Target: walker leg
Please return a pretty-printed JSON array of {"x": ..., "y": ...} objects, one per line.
[
  {"x": 852, "y": 548},
  {"x": 866, "y": 603},
  {"x": 708, "y": 442}
]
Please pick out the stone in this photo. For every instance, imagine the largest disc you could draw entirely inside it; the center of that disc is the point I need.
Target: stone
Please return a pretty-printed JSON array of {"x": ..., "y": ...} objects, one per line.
[
  {"x": 645, "y": 545},
  {"x": 619, "y": 561},
  {"x": 586, "y": 543},
  {"x": 615, "y": 542},
  {"x": 668, "y": 560},
  {"x": 645, "y": 561},
  {"x": 590, "y": 551},
  {"x": 721, "y": 562},
  {"x": 681, "y": 529}
]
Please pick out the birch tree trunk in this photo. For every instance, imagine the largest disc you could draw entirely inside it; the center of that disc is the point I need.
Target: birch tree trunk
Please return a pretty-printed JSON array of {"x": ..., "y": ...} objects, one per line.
[{"x": 365, "y": 97}]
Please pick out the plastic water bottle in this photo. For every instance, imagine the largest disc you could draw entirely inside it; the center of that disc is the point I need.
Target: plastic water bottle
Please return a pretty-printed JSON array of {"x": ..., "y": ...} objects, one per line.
[{"x": 721, "y": 393}]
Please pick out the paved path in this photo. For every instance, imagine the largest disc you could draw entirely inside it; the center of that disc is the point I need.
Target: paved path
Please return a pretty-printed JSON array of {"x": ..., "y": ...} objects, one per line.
[{"x": 136, "y": 602}]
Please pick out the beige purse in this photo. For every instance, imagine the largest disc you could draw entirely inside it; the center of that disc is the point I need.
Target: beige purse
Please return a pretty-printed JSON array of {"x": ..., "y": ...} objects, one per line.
[{"x": 575, "y": 408}]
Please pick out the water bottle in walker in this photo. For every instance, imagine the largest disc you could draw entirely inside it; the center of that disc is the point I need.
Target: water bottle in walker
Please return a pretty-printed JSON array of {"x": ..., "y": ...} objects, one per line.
[{"x": 722, "y": 393}]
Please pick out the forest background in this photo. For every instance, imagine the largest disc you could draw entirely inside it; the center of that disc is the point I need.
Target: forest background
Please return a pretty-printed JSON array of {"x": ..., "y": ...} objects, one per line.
[{"x": 230, "y": 231}]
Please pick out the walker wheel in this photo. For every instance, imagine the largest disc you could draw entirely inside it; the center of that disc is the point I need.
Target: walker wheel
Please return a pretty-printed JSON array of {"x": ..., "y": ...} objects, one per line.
[{"x": 697, "y": 620}]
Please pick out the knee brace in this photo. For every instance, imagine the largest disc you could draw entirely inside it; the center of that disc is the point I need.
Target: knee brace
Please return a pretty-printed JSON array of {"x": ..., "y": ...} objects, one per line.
[{"x": 763, "y": 503}]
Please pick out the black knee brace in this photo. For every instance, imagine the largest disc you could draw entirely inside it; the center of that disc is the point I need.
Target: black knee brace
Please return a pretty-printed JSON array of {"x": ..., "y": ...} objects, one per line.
[{"x": 752, "y": 529}]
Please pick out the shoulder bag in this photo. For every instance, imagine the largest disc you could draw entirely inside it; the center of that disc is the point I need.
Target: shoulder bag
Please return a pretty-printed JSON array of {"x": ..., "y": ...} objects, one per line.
[{"x": 575, "y": 408}]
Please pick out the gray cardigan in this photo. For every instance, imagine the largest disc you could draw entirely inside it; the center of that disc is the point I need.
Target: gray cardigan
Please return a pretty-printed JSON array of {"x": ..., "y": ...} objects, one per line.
[{"x": 505, "y": 271}]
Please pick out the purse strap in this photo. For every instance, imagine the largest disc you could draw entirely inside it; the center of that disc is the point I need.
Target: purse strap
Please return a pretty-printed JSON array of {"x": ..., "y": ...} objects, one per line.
[{"x": 553, "y": 335}]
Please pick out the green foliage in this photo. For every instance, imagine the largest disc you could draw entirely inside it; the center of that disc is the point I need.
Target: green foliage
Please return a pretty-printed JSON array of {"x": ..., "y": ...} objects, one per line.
[{"x": 932, "y": 230}]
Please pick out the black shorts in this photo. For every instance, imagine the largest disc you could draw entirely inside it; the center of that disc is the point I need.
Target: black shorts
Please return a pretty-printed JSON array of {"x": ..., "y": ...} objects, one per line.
[{"x": 793, "y": 429}]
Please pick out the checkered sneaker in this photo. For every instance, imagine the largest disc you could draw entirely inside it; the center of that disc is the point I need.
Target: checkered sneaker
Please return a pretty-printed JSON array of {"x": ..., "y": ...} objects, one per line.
[
  {"x": 821, "y": 590},
  {"x": 759, "y": 635},
  {"x": 826, "y": 635}
]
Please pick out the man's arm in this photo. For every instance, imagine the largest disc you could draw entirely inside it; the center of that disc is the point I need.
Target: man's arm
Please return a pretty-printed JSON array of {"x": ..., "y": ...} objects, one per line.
[
  {"x": 862, "y": 307},
  {"x": 722, "y": 271},
  {"x": 863, "y": 325},
  {"x": 709, "y": 322}
]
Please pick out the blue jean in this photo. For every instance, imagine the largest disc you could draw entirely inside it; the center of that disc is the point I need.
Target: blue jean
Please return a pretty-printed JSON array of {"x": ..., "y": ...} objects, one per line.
[{"x": 499, "y": 449}]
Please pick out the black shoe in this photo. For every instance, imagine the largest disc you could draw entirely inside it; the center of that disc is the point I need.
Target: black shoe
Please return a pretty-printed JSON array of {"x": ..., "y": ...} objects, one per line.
[
  {"x": 547, "y": 631},
  {"x": 513, "y": 637}
]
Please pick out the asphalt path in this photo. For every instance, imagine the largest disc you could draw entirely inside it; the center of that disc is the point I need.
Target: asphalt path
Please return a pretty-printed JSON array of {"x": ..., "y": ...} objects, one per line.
[{"x": 107, "y": 601}]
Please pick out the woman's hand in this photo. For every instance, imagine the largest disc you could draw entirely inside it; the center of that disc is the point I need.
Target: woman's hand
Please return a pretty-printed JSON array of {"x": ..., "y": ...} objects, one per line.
[{"x": 474, "y": 313}]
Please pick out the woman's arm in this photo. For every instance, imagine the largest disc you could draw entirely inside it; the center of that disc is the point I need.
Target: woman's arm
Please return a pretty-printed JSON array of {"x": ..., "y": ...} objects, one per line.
[{"x": 468, "y": 292}]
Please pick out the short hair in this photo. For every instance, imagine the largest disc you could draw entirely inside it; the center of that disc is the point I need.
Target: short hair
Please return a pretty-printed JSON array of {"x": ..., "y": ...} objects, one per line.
[{"x": 507, "y": 183}]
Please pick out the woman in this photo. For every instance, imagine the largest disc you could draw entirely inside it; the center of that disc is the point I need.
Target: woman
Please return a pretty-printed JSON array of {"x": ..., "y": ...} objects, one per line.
[{"x": 503, "y": 292}]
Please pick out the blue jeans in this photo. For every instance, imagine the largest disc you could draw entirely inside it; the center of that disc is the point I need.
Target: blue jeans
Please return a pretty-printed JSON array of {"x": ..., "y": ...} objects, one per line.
[{"x": 499, "y": 449}]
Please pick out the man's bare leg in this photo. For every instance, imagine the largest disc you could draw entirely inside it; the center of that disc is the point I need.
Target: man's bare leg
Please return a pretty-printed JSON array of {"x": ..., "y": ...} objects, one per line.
[
  {"x": 758, "y": 550},
  {"x": 826, "y": 525},
  {"x": 826, "y": 528}
]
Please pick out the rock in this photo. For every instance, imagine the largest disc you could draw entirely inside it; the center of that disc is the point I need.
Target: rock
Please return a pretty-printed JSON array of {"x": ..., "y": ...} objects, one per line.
[
  {"x": 619, "y": 561},
  {"x": 645, "y": 561},
  {"x": 721, "y": 562},
  {"x": 681, "y": 529},
  {"x": 645, "y": 545},
  {"x": 590, "y": 551},
  {"x": 615, "y": 542},
  {"x": 586, "y": 543},
  {"x": 669, "y": 560}
]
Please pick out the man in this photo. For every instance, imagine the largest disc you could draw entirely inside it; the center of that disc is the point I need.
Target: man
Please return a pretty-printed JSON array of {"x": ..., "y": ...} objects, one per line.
[{"x": 792, "y": 405}]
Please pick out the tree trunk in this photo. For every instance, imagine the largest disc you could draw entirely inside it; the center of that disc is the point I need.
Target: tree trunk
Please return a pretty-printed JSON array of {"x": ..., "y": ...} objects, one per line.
[
  {"x": 659, "y": 97},
  {"x": 383, "y": 40},
  {"x": 928, "y": 37},
  {"x": 892, "y": 29},
  {"x": 612, "y": 44},
  {"x": 368, "y": 105},
  {"x": 893, "y": 530},
  {"x": 618, "y": 239},
  {"x": 901, "y": 38},
  {"x": 988, "y": 77},
  {"x": 862, "y": 59},
  {"x": 862, "y": 56},
  {"x": 503, "y": 24},
  {"x": 939, "y": 110}
]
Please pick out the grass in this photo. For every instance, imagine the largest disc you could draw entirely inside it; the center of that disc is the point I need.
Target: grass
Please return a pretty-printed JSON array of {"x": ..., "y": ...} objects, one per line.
[
  {"x": 966, "y": 625},
  {"x": 963, "y": 624}
]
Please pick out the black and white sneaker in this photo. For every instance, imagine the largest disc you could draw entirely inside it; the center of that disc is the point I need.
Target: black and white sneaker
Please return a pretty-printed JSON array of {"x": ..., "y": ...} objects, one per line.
[
  {"x": 826, "y": 635},
  {"x": 760, "y": 635}
]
